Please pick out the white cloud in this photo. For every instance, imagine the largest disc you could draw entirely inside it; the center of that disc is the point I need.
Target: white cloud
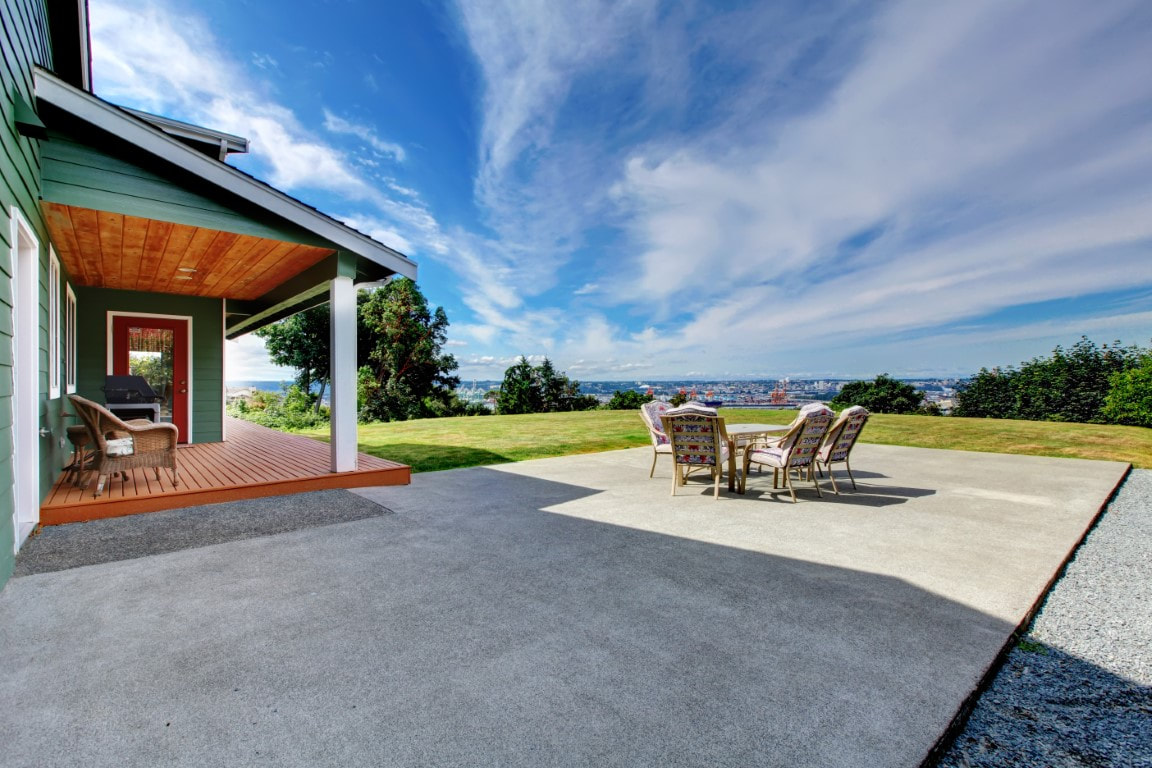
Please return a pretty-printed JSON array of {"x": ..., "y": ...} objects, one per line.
[
  {"x": 985, "y": 155},
  {"x": 365, "y": 133},
  {"x": 144, "y": 58},
  {"x": 246, "y": 359}
]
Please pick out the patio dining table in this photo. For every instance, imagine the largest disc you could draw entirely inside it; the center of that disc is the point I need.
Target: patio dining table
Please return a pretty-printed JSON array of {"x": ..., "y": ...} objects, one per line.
[{"x": 745, "y": 432}]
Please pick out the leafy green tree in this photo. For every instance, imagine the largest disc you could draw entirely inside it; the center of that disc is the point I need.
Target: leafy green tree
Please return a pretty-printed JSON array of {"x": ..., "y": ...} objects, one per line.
[
  {"x": 301, "y": 342},
  {"x": 519, "y": 393},
  {"x": 1069, "y": 385},
  {"x": 1129, "y": 399},
  {"x": 1072, "y": 384},
  {"x": 989, "y": 394},
  {"x": 628, "y": 400},
  {"x": 410, "y": 377},
  {"x": 882, "y": 395},
  {"x": 539, "y": 389}
]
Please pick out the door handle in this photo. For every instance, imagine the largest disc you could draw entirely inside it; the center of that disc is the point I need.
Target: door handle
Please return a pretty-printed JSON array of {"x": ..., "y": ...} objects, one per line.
[{"x": 183, "y": 391}]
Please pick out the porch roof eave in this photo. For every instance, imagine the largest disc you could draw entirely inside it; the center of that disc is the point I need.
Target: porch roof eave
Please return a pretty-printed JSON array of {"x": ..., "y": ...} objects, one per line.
[{"x": 373, "y": 256}]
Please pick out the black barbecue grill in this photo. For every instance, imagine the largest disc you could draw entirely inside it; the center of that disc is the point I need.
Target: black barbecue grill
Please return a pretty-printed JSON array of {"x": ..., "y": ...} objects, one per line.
[{"x": 131, "y": 397}]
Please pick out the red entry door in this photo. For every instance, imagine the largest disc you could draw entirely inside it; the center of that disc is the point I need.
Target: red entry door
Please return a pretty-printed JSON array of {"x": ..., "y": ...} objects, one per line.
[{"x": 157, "y": 349}]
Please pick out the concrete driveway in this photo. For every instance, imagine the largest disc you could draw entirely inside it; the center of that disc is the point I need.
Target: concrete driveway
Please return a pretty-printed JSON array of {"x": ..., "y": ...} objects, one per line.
[{"x": 561, "y": 612}]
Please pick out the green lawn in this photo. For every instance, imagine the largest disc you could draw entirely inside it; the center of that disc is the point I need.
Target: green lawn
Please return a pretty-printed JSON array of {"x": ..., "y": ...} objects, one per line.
[{"x": 433, "y": 444}]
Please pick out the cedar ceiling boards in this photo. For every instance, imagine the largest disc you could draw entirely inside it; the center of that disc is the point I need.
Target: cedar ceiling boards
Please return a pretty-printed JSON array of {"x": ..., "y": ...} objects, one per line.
[{"x": 112, "y": 250}]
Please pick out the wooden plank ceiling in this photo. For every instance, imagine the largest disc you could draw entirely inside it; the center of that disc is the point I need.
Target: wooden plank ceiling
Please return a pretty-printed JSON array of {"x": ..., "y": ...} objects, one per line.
[{"x": 111, "y": 250}]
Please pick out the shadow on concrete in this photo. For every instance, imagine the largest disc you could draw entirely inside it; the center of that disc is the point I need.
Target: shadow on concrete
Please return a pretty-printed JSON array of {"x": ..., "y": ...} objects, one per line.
[
  {"x": 59, "y": 547},
  {"x": 476, "y": 626},
  {"x": 431, "y": 457},
  {"x": 760, "y": 487},
  {"x": 1048, "y": 707}
]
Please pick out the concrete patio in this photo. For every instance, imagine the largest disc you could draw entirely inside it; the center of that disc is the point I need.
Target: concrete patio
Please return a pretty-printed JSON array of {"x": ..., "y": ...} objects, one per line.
[{"x": 555, "y": 612}]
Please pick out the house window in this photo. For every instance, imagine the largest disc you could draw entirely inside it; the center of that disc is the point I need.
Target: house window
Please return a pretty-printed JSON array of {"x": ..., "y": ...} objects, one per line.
[
  {"x": 69, "y": 340},
  {"x": 53, "y": 324}
]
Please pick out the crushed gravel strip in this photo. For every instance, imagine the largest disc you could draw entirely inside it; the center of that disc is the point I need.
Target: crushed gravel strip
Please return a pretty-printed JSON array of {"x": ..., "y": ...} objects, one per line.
[{"x": 1077, "y": 689}]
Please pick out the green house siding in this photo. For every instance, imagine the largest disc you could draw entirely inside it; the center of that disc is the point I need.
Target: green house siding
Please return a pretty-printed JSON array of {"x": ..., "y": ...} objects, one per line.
[
  {"x": 23, "y": 43},
  {"x": 92, "y": 308},
  {"x": 101, "y": 172}
]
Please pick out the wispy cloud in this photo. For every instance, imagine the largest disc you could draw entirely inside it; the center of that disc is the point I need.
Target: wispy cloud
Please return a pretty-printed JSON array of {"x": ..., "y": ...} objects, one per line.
[
  {"x": 151, "y": 57},
  {"x": 365, "y": 133},
  {"x": 858, "y": 175}
]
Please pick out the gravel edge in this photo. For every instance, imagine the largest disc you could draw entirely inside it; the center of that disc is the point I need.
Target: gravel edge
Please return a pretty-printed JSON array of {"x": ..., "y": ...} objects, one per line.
[{"x": 1077, "y": 688}]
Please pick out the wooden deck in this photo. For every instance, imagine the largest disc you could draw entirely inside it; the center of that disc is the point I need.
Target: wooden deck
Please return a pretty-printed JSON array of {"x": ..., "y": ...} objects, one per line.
[{"x": 254, "y": 461}]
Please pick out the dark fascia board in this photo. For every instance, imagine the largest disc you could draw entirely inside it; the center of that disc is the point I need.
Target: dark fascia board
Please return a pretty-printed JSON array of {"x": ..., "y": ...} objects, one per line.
[
  {"x": 305, "y": 290},
  {"x": 153, "y": 141},
  {"x": 229, "y": 142}
]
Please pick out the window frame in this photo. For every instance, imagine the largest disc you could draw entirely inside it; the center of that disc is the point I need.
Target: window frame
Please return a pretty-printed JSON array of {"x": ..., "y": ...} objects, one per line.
[
  {"x": 69, "y": 339},
  {"x": 53, "y": 324}
]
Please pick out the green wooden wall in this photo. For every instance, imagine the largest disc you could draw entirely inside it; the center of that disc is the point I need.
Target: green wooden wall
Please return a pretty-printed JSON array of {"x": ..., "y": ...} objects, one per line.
[
  {"x": 23, "y": 43},
  {"x": 92, "y": 308},
  {"x": 105, "y": 173}
]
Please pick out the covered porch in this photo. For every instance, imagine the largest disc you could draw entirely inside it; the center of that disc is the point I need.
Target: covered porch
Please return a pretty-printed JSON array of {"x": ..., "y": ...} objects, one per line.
[
  {"x": 153, "y": 233},
  {"x": 254, "y": 461}
]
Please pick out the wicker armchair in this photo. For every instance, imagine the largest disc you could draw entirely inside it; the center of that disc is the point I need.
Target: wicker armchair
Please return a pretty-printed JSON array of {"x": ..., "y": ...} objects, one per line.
[
  {"x": 699, "y": 441},
  {"x": 120, "y": 445}
]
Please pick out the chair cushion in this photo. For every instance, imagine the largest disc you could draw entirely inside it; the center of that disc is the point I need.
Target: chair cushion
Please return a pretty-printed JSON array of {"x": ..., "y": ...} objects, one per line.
[
  {"x": 693, "y": 408},
  {"x": 121, "y": 446},
  {"x": 652, "y": 411},
  {"x": 772, "y": 456}
]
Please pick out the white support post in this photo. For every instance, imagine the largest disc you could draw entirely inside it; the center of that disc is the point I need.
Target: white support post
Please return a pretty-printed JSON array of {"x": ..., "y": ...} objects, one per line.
[{"x": 342, "y": 359}]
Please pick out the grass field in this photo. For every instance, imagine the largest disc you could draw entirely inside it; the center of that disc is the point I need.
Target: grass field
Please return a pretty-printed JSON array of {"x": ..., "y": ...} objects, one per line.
[{"x": 434, "y": 444}]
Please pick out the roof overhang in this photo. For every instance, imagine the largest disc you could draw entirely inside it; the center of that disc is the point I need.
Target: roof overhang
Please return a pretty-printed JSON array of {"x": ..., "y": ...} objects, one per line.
[
  {"x": 131, "y": 242},
  {"x": 155, "y": 143}
]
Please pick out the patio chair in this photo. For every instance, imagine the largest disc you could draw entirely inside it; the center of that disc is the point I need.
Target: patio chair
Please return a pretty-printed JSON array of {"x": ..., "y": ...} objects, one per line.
[
  {"x": 794, "y": 452},
  {"x": 651, "y": 412},
  {"x": 698, "y": 441},
  {"x": 119, "y": 446},
  {"x": 838, "y": 443}
]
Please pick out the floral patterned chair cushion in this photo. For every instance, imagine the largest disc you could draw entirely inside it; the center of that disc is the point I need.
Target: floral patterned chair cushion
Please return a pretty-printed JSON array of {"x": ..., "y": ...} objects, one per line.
[
  {"x": 842, "y": 434},
  {"x": 651, "y": 413}
]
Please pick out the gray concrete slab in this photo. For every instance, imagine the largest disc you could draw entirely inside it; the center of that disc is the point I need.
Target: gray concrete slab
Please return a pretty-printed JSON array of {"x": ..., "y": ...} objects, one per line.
[{"x": 556, "y": 612}]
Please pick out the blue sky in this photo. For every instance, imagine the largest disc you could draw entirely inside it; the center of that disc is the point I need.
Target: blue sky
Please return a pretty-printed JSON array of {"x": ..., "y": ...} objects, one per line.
[{"x": 645, "y": 190}]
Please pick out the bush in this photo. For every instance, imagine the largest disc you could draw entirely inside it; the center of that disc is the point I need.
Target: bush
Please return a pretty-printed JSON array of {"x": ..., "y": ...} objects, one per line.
[
  {"x": 678, "y": 399},
  {"x": 293, "y": 410},
  {"x": 629, "y": 400},
  {"x": 1129, "y": 400},
  {"x": 1070, "y": 385},
  {"x": 883, "y": 395}
]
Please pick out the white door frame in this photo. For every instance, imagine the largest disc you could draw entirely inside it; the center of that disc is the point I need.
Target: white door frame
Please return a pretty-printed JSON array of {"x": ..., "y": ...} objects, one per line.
[
  {"x": 25, "y": 377},
  {"x": 188, "y": 352}
]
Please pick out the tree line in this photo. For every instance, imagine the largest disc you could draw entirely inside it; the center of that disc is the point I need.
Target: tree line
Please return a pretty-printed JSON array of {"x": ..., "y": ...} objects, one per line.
[{"x": 1088, "y": 383}]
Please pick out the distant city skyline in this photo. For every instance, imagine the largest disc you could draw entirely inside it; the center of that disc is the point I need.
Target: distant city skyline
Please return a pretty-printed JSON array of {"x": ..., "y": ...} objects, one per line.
[{"x": 705, "y": 190}]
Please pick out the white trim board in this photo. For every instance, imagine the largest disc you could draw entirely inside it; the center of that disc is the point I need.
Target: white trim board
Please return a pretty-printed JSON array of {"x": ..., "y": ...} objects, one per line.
[
  {"x": 109, "y": 366},
  {"x": 26, "y": 378}
]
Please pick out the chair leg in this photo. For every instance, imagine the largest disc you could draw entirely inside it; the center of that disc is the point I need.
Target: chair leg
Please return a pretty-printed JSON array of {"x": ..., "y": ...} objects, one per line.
[
  {"x": 812, "y": 477},
  {"x": 99, "y": 485},
  {"x": 832, "y": 477},
  {"x": 675, "y": 477},
  {"x": 788, "y": 483},
  {"x": 775, "y": 478},
  {"x": 718, "y": 472},
  {"x": 652, "y": 472},
  {"x": 848, "y": 467},
  {"x": 175, "y": 477}
]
